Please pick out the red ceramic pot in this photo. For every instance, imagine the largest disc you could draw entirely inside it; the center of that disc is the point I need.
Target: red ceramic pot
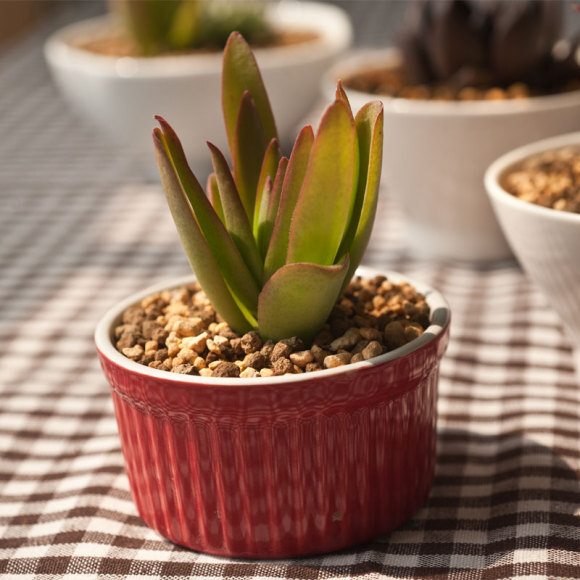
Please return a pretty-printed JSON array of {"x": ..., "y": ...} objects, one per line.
[{"x": 282, "y": 466}]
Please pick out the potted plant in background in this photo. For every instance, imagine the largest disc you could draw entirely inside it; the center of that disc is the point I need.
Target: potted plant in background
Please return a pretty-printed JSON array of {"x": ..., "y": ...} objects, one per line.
[
  {"x": 296, "y": 42},
  {"x": 469, "y": 81},
  {"x": 535, "y": 192},
  {"x": 301, "y": 453}
]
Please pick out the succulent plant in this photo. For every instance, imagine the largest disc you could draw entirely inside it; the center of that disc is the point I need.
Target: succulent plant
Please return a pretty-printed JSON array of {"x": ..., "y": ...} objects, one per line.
[
  {"x": 275, "y": 242},
  {"x": 158, "y": 26},
  {"x": 483, "y": 42}
]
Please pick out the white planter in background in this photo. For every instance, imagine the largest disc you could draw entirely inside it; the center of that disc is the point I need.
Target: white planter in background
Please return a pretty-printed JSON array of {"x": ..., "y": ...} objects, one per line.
[
  {"x": 545, "y": 241},
  {"x": 436, "y": 153},
  {"x": 121, "y": 95}
]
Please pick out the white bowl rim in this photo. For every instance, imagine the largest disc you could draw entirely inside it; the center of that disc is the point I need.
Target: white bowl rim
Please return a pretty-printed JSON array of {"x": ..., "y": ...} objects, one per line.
[
  {"x": 439, "y": 308},
  {"x": 331, "y": 22},
  {"x": 496, "y": 170},
  {"x": 419, "y": 107}
]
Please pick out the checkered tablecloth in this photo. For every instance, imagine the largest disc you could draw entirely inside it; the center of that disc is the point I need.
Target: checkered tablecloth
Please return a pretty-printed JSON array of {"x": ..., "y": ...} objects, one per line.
[{"x": 80, "y": 229}]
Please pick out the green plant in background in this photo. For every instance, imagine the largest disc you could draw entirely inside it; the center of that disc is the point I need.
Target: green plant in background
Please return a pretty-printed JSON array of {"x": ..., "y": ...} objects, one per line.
[
  {"x": 274, "y": 243},
  {"x": 161, "y": 26}
]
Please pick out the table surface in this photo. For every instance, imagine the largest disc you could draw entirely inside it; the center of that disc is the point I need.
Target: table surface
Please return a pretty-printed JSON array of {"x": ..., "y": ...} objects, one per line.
[{"x": 80, "y": 229}]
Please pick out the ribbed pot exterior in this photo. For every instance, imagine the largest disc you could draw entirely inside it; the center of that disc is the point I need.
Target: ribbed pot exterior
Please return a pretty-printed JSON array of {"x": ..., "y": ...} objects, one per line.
[{"x": 281, "y": 470}]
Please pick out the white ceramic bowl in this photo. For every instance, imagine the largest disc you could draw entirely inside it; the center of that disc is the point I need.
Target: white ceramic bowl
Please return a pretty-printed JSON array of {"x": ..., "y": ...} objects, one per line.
[
  {"x": 436, "y": 153},
  {"x": 545, "y": 241},
  {"x": 121, "y": 95}
]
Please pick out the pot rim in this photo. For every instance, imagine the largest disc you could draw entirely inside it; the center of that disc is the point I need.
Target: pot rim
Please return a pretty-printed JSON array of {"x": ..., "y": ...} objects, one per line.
[
  {"x": 400, "y": 106},
  {"x": 496, "y": 171},
  {"x": 440, "y": 313},
  {"x": 330, "y": 22}
]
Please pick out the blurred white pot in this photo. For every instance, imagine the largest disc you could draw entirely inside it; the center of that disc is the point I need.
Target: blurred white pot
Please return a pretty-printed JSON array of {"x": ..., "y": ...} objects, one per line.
[
  {"x": 436, "y": 153},
  {"x": 121, "y": 95},
  {"x": 545, "y": 241}
]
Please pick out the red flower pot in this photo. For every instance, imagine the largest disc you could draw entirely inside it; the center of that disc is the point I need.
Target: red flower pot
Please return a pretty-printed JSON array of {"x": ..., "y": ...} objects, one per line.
[{"x": 282, "y": 466}]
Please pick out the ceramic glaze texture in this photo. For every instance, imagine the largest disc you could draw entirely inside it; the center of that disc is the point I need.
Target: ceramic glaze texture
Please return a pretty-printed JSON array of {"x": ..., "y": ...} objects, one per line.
[
  {"x": 280, "y": 467},
  {"x": 436, "y": 154},
  {"x": 545, "y": 241},
  {"x": 121, "y": 95}
]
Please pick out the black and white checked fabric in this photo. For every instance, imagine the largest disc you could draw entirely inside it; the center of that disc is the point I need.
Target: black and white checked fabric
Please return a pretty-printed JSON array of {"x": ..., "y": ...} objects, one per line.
[{"x": 80, "y": 229}]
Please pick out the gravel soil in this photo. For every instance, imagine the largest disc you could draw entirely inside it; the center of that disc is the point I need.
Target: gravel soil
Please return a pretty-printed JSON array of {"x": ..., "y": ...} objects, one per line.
[
  {"x": 179, "y": 331},
  {"x": 550, "y": 179}
]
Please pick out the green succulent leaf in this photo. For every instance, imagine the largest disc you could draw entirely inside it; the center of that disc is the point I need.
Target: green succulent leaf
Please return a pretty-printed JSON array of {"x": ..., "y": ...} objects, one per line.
[
  {"x": 295, "y": 173},
  {"x": 327, "y": 197},
  {"x": 234, "y": 216},
  {"x": 369, "y": 126},
  {"x": 241, "y": 74},
  {"x": 269, "y": 208},
  {"x": 237, "y": 275},
  {"x": 197, "y": 250},
  {"x": 298, "y": 298},
  {"x": 213, "y": 194},
  {"x": 342, "y": 96},
  {"x": 269, "y": 168},
  {"x": 248, "y": 150}
]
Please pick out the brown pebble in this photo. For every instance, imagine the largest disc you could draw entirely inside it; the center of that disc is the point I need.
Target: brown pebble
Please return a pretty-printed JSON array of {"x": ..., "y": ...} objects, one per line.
[
  {"x": 133, "y": 315},
  {"x": 256, "y": 360},
  {"x": 281, "y": 366},
  {"x": 251, "y": 342},
  {"x": 313, "y": 366},
  {"x": 372, "y": 349},
  {"x": 226, "y": 369},
  {"x": 280, "y": 350},
  {"x": 394, "y": 335},
  {"x": 267, "y": 349},
  {"x": 185, "y": 369},
  {"x": 154, "y": 331}
]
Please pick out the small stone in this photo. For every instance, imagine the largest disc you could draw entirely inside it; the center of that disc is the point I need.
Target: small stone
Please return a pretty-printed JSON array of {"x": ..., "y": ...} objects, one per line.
[
  {"x": 372, "y": 349},
  {"x": 370, "y": 333},
  {"x": 318, "y": 353},
  {"x": 185, "y": 326},
  {"x": 199, "y": 363},
  {"x": 346, "y": 341},
  {"x": 256, "y": 360},
  {"x": 282, "y": 366},
  {"x": 196, "y": 343},
  {"x": 394, "y": 335},
  {"x": 185, "y": 369},
  {"x": 151, "y": 346},
  {"x": 313, "y": 366},
  {"x": 161, "y": 354},
  {"x": 267, "y": 349},
  {"x": 266, "y": 373},
  {"x": 251, "y": 342},
  {"x": 205, "y": 372},
  {"x": 187, "y": 354},
  {"x": 226, "y": 369},
  {"x": 133, "y": 315},
  {"x": 154, "y": 331},
  {"x": 280, "y": 350},
  {"x": 412, "y": 332},
  {"x": 294, "y": 343},
  {"x": 358, "y": 357},
  {"x": 249, "y": 373},
  {"x": 337, "y": 360},
  {"x": 301, "y": 358},
  {"x": 134, "y": 352}
]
